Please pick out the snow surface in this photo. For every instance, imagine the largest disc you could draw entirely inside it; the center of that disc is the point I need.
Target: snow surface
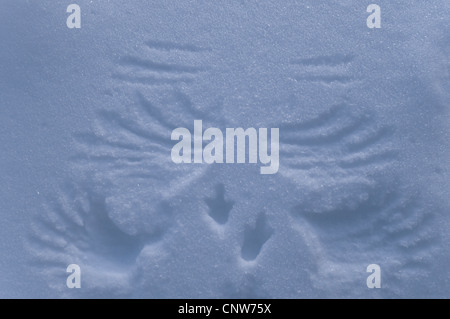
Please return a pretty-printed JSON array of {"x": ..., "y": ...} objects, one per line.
[{"x": 85, "y": 122}]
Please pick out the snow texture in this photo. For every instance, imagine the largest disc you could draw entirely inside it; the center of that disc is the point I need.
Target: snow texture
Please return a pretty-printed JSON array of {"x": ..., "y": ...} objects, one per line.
[{"x": 87, "y": 177}]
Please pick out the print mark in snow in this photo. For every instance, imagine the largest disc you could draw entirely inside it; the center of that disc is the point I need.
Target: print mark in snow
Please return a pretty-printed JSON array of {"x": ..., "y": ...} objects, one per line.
[
  {"x": 337, "y": 140},
  {"x": 164, "y": 63},
  {"x": 255, "y": 238},
  {"x": 384, "y": 220},
  {"x": 324, "y": 61},
  {"x": 219, "y": 207},
  {"x": 326, "y": 70},
  {"x": 76, "y": 227},
  {"x": 86, "y": 229},
  {"x": 133, "y": 141},
  {"x": 172, "y": 46}
]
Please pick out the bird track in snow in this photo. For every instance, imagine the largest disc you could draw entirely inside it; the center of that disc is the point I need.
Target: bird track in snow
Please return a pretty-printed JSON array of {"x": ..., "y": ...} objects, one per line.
[{"x": 126, "y": 157}]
